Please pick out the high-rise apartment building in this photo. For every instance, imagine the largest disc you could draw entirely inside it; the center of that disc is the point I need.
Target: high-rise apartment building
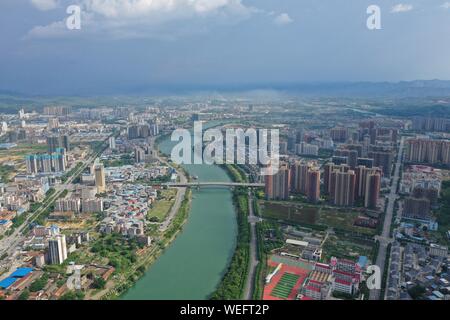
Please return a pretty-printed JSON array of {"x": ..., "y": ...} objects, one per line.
[
  {"x": 300, "y": 177},
  {"x": 57, "y": 249},
  {"x": 339, "y": 134},
  {"x": 277, "y": 186},
  {"x": 58, "y": 141},
  {"x": 416, "y": 208},
  {"x": 329, "y": 168},
  {"x": 373, "y": 184},
  {"x": 139, "y": 155},
  {"x": 343, "y": 187},
  {"x": 100, "y": 180},
  {"x": 313, "y": 188},
  {"x": 350, "y": 155},
  {"x": 112, "y": 143},
  {"x": 428, "y": 151},
  {"x": 46, "y": 163},
  {"x": 383, "y": 160}
]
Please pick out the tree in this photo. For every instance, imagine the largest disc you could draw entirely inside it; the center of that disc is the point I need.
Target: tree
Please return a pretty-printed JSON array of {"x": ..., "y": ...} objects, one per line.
[
  {"x": 39, "y": 284},
  {"x": 72, "y": 295},
  {"x": 98, "y": 283},
  {"x": 416, "y": 292},
  {"x": 24, "y": 295}
]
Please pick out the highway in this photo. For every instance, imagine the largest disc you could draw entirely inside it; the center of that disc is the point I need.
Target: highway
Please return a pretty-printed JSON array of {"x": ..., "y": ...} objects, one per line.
[{"x": 385, "y": 237}]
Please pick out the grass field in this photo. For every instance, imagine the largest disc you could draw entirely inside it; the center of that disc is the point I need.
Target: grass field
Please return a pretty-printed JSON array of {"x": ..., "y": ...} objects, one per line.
[
  {"x": 5, "y": 173},
  {"x": 342, "y": 219},
  {"x": 339, "y": 246},
  {"x": 162, "y": 207},
  {"x": 298, "y": 213},
  {"x": 285, "y": 285},
  {"x": 21, "y": 151}
]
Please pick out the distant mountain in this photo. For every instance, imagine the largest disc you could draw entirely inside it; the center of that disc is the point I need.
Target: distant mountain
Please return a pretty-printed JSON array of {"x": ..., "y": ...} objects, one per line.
[{"x": 402, "y": 89}]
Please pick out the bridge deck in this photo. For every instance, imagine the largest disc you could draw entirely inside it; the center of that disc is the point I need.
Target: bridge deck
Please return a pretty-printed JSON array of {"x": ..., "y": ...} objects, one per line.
[{"x": 220, "y": 184}]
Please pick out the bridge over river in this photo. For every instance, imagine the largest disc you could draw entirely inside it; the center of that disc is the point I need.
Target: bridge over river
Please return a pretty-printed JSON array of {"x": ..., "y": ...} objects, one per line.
[{"x": 212, "y": 184}]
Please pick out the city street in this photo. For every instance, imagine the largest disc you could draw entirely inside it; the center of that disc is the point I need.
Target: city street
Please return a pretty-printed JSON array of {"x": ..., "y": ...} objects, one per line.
[{"x": 385, "y": 237}]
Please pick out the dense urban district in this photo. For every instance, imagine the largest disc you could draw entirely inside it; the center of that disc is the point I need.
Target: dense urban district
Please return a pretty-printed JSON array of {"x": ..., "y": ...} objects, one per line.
[{"x": 89, "y": 202}]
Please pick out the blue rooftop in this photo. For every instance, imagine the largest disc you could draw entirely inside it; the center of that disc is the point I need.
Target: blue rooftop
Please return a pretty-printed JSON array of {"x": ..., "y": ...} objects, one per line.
[
  {"x": 2, "y": 222},
  {"x": 362, "y": 261},
  {"x": 21, "y": 272},
  {"x": 6, "y": 283}
]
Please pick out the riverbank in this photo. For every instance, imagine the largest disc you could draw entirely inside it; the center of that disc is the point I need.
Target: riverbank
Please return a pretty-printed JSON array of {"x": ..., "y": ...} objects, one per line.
[{"x": 234, "y": 281}]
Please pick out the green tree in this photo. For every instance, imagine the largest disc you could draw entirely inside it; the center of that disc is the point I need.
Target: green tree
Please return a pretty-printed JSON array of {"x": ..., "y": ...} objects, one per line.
[
  {"x": 72, "y": 295},
  {"x": 98, "y": 283},
  {"x": 24, "y": 295},
  {"x": 39, "y": 284}
]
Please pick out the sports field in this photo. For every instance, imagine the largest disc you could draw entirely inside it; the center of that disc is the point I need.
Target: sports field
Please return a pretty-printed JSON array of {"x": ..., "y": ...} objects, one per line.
[{"x": 285, "y": 284}]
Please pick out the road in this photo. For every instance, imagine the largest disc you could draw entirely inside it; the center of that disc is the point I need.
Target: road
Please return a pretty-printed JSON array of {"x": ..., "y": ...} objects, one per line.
[
  {"x": 253, "y": 263},
  {"x": 181, "y": 190},
  {"x": 176, "y": 206},
  {"x": 385, "y": 237}
]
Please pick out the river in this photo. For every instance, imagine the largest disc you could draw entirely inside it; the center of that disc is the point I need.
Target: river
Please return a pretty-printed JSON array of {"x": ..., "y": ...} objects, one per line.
[{"x": 193, "y": 265}]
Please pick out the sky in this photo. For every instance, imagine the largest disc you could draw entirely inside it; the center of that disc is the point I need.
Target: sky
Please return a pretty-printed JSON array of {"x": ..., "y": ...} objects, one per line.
[{"x": 128, "y": 46}]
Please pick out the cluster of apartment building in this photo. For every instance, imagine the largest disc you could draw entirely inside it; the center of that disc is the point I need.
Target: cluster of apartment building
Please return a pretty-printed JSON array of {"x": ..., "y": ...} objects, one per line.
[
  {"x": 367, "y": 133},
  {"x": 300, "y": 177},
  {"x": 419, "y": 176},
  {"x": 55, "y": 162},
  {"x": 343, "y": 185},
  {"x": 429, "y": 151},
  {"x": 143, "y": 130},
  {"x": 430, "y": 124},
  {"x": 77, "y": 205},
  {"x": 421, "y": 185},
  {"x": 362, "y": 159}
]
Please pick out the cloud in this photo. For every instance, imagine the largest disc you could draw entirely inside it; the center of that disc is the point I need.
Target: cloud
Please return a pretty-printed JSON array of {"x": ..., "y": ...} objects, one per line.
[
  {"x": 139, "y": 8},
  {"x": 401, "y": 7},
  {"x": 150, "y": 18},
  {"x": 283, "y": 19},
  {"x": 45, "y": 5},
  {"x": 56, "y": 29},
  {"x": 446, "y": 5}
]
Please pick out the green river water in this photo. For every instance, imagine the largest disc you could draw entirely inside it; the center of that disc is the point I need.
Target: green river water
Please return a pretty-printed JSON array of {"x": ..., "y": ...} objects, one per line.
[{"x": 193, "y": 265}]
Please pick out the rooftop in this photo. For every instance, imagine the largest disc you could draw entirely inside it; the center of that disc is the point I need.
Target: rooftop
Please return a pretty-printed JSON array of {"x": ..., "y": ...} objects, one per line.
[
  {"x": 6, "y": 283},
  {"x": 21, "y": 272}
]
